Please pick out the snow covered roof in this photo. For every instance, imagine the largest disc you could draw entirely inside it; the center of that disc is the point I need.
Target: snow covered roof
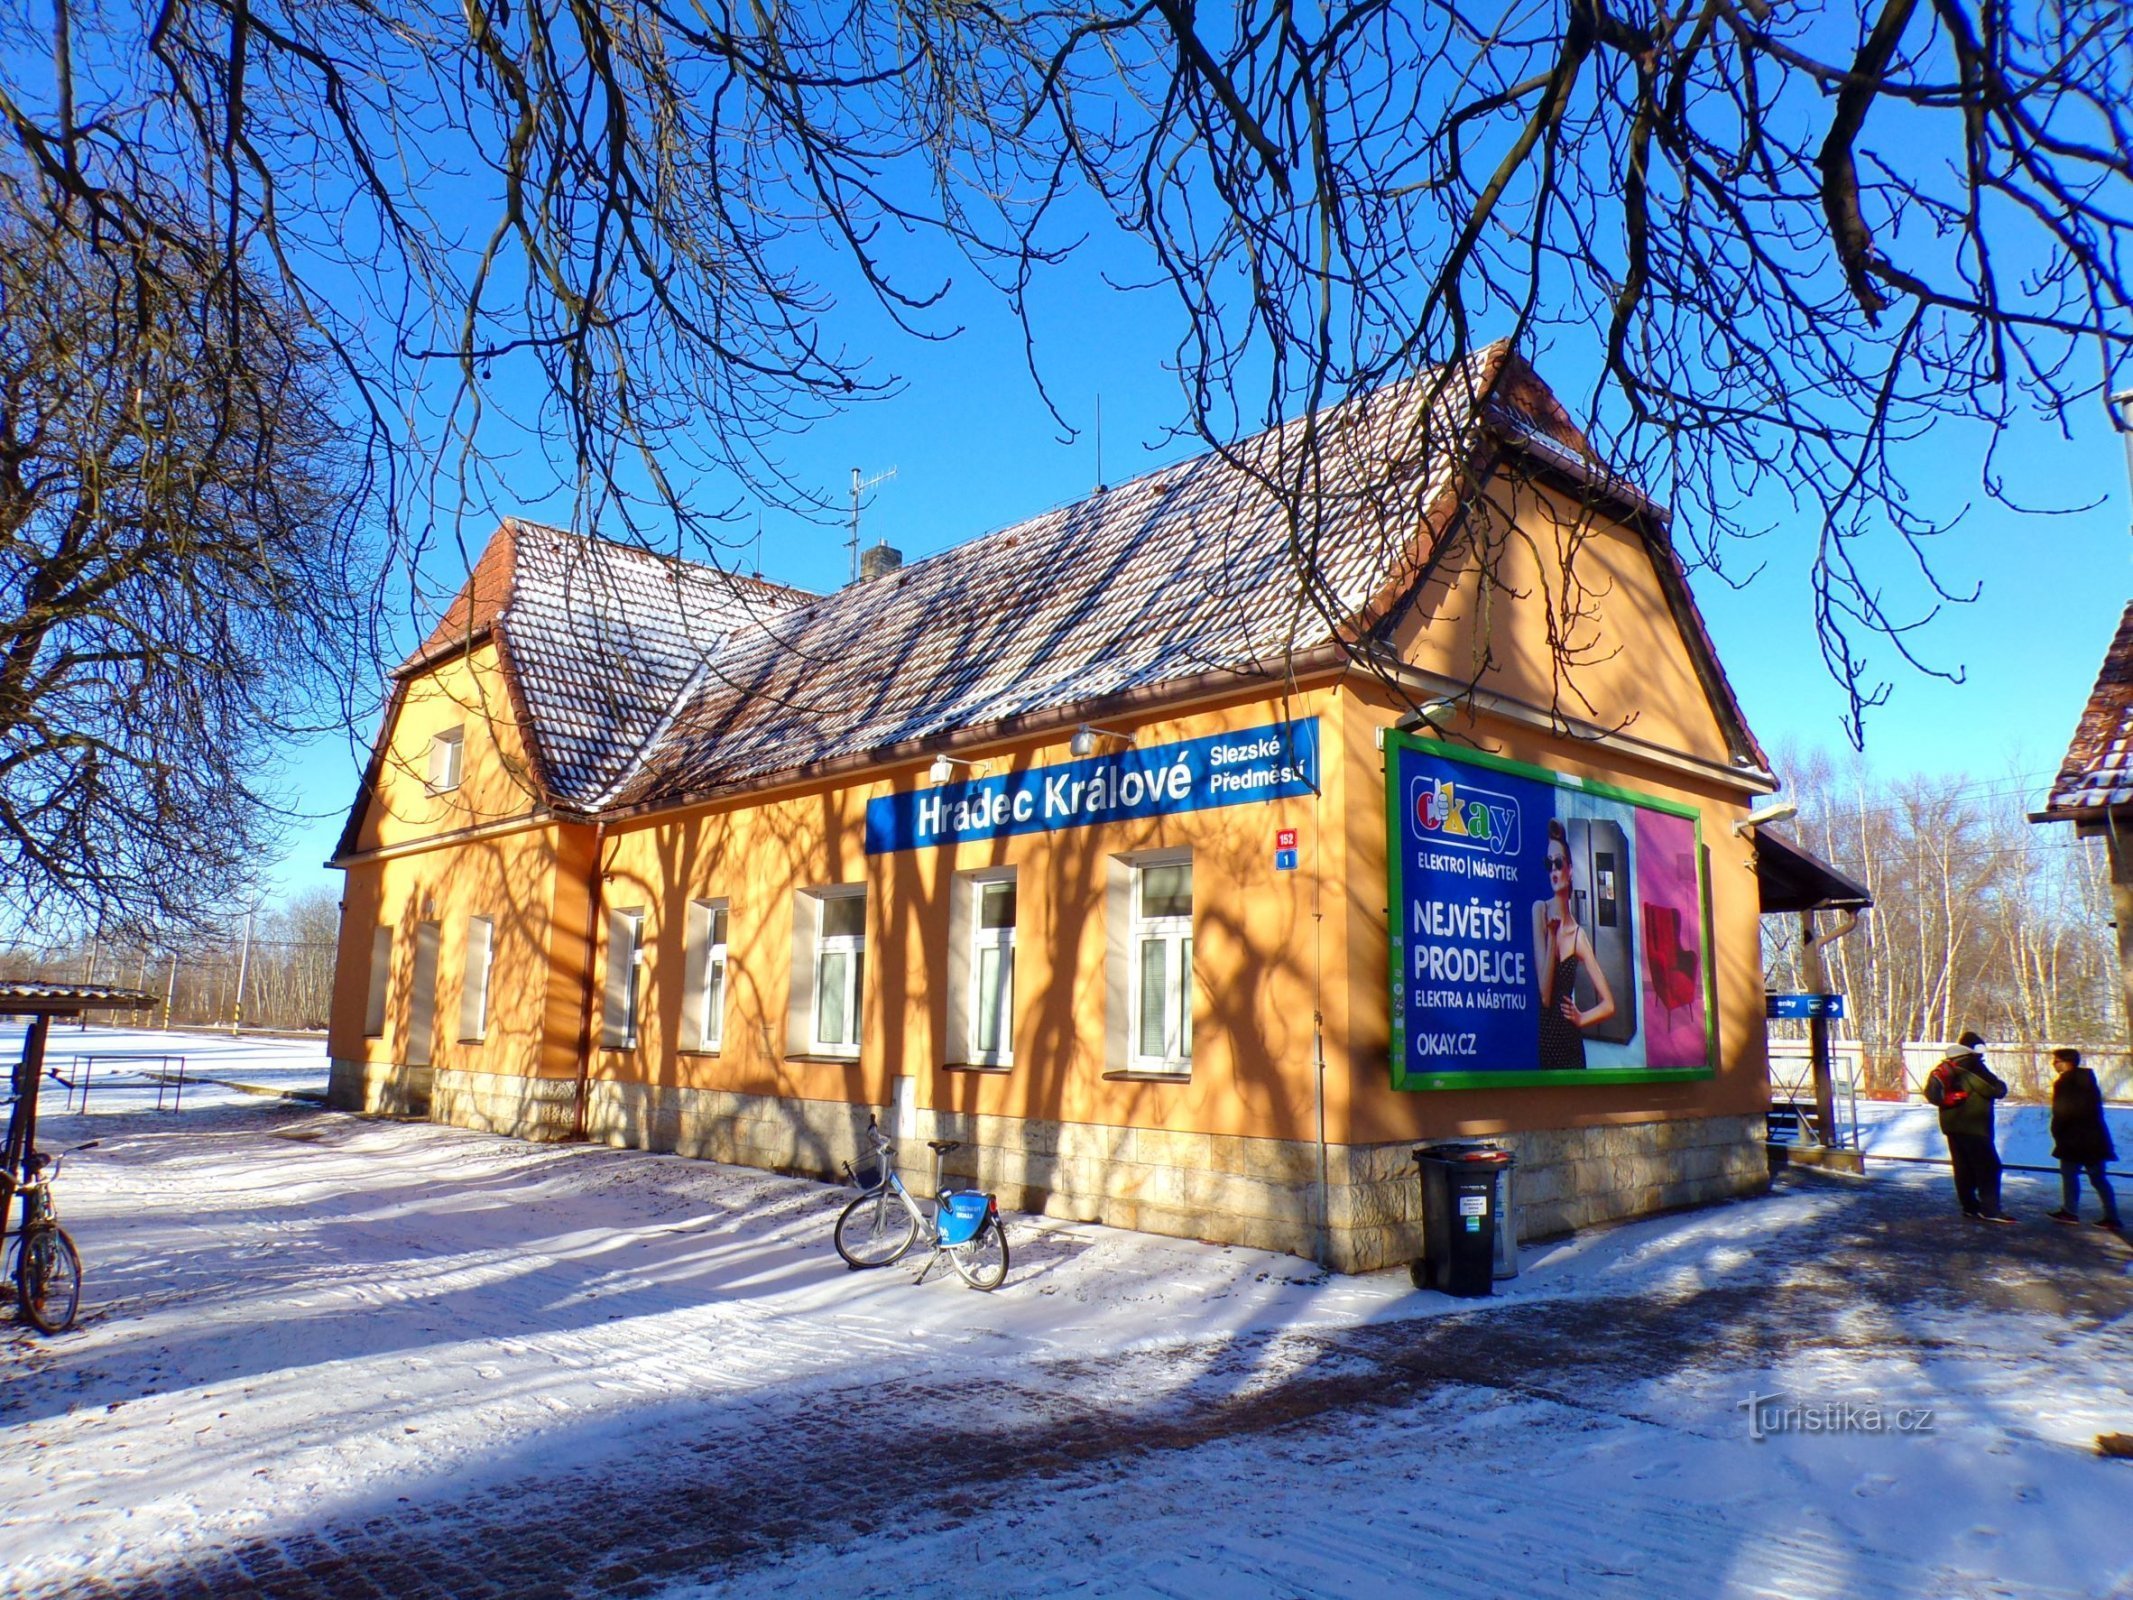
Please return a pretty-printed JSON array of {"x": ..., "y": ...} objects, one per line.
[
  {"x": 21, "y": 997},
  {"x": 598, "y": 642},
  {"x": 644, "y": 682},
  {"x": 2097, "y": 775}
]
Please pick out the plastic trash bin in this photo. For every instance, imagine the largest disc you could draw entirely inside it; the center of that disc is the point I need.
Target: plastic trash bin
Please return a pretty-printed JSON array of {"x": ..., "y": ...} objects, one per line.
[{"x": 1466, "y": 1190}]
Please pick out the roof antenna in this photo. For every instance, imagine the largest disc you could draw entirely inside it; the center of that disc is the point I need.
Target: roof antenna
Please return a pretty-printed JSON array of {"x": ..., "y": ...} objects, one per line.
[
  {"x": 758, "y": 573},
  {"x": 1099, "y": 444},
  {"x": 2122, "y": 419},
  {"x": 860, "y": 487}
]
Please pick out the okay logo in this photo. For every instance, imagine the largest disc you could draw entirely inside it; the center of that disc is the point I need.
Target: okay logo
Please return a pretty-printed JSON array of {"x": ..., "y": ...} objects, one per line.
[{"x": 1460, "y": 814}]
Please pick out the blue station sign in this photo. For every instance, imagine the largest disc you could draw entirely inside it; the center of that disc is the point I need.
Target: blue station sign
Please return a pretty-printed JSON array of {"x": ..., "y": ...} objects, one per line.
[
  {"x": 1276, "y": 761},
  {"x": 1803, "y": 1007}
]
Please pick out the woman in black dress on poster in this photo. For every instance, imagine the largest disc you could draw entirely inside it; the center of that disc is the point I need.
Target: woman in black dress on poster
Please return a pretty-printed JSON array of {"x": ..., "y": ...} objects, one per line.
[{"x": 1561, "y": 951}]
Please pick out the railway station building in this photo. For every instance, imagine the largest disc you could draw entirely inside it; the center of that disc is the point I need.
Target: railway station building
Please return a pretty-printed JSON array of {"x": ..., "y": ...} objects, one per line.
[{"x": 1189, "y": 852}]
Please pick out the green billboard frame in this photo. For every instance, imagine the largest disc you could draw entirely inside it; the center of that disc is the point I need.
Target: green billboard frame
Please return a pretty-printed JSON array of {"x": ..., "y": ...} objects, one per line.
[{"x": 1395, "y": 918}]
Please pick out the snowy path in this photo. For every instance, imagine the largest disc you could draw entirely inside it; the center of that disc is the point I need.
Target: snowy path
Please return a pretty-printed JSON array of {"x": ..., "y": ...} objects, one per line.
[{"x": 337, "y": 1358}]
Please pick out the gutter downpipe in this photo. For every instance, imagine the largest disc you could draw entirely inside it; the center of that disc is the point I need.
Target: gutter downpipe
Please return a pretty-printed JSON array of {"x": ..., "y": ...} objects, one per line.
[{"x": 594, "y": 893}]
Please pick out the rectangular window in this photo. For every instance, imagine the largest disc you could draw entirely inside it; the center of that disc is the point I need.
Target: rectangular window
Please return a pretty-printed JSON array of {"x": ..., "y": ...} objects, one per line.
[
  {"x": 474, "y": 983},
  {"x": 1161, "y": 966},
  {"x": 381, "y": 971},
  {"x": 447, "y": 753},
  {"x": 422, "y": 997},
  {"x": 992, "y": 973},
  {"x": 625, "y": 963},
  {"x": 839, "y": 972},
  {"x": 703, "y": 1020}
]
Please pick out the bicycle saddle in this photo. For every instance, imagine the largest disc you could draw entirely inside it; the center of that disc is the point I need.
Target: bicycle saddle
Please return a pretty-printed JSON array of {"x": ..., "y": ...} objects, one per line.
[{"x": 943, "y": 1146}]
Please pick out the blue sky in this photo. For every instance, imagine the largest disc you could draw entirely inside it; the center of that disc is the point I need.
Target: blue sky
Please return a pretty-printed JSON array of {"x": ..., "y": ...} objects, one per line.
[{"x": 974, "y": 448}]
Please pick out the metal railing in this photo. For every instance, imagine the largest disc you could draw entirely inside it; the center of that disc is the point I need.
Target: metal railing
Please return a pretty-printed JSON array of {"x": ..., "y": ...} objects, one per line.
[
  {"x": 166, "y": 1073},
  {"x": 1792, "y": 1104}
]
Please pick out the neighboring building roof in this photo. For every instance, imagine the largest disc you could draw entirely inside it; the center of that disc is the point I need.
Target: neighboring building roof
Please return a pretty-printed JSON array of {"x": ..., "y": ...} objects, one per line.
[
  {"x": 645, "y": 682},
  {"x": 2097, "y": 775}
]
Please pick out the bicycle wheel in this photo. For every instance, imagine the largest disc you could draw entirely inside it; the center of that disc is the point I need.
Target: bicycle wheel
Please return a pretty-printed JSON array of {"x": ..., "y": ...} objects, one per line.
[
  {"x": 875, "y": 1230},
  {"x": 48, "y": 1279},
  {"x": 982, "y": 1263}
]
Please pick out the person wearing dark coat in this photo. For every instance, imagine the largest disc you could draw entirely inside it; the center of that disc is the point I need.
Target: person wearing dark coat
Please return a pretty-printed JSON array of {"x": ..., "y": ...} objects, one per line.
[
  {"x": 1964, "y": 1088},
  {"x": 2081, "y": 1140}
]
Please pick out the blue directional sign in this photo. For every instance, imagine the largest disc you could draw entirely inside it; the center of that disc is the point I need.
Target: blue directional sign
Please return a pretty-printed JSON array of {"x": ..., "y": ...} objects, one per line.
[{"x": 1803, "y": 1007}]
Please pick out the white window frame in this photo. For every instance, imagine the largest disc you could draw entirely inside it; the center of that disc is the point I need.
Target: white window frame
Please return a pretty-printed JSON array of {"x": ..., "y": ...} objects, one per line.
[
  {"x": 1174, "y": 935},
  {"x": 982, "y": 938},
  {"x": 703, "y": 1003},
  {"x": 854, "y": 947},
  {"x": 381, "y": 972},
  {"x": 448, "y": 757},
  {"x": 622, "y": 1012},
  {"x": 480, "y": 959}
]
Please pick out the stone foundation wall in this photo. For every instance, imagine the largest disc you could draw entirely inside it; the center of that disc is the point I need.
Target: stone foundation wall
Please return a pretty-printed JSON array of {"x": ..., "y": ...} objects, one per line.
[
  {"x": 379, "y": 1088},
  {"x": 1564, "y": 1179},
  {"x": 1261, "y": 1193},
  {"x": 541, "y": 1109}
]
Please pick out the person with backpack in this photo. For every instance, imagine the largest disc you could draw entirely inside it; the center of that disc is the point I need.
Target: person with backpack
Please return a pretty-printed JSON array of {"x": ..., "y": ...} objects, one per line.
[
  {"x": 1964, "y": 1088},
  {"x": 2081, "y": 1140}
]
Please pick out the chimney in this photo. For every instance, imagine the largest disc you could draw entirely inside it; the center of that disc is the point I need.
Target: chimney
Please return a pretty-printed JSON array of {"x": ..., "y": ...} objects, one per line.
[{"x": 878, "y": 560}]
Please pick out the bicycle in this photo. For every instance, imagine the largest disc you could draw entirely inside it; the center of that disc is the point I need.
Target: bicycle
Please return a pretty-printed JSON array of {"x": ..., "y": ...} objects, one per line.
[
  {"x": 47, "y": 1266},
  {"x": 881, "y": 1226}
]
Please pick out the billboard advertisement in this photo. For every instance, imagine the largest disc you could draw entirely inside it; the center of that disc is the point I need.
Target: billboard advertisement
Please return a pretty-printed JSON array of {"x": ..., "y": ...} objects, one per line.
[{"x": 1546, "y": 928}]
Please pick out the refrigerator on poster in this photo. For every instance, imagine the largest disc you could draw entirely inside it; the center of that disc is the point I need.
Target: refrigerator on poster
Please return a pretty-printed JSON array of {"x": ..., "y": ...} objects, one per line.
[{"x": 1545, "y": 928}]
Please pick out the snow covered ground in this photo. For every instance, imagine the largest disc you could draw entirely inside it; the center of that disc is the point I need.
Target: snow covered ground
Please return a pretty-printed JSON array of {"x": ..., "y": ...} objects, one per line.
[
  {"x": 2024, "y": 1133},
  {"x": 323, "y": 1356},
  {"x": 119, "y": 1070}
]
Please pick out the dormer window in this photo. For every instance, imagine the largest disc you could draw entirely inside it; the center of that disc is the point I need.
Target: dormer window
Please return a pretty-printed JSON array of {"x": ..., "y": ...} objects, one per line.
[{"x": 447, "y": 753}]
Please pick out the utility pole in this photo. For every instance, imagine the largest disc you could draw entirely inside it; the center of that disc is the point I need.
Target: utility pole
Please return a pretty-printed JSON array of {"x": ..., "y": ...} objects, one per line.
[
  {"x": 244, "y": 963},
  {"x": 860, "y": 487},
  {"x": 170, "y": 993}
]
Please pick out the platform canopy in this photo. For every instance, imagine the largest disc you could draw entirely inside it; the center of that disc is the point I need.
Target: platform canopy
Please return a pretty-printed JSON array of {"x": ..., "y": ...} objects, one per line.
[
  {"x": 29, "y": 998},
  {"x": 1793, "y": 879}
]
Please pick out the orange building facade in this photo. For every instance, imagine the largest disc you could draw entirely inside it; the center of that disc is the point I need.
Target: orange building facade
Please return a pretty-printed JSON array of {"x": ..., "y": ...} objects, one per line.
[{"x": 735, "y": 901}]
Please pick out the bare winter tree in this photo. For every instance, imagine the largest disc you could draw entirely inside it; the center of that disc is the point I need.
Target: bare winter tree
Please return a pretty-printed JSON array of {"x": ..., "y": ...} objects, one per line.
[
  {"x": 178, "y": 511},
  {"x": 623, "y": 240},
  {"x": 1980, "y": 920}
]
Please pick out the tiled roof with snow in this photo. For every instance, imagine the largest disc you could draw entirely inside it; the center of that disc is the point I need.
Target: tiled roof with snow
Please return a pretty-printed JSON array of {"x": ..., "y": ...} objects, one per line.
[
  {"x": 644, "y": 681},
  {"x": 1194, "y": 569},
  {"x": 2098, "y": 772},
  {"x": 598, "y": 640},
  {"x": 602, "y": 639}
]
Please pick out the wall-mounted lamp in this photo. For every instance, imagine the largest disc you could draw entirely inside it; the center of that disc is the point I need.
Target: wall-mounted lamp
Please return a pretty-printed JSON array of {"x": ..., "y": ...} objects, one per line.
[
  {"x": 1776, "y": 811},
  {"x": 1430, "y": 714},
  {"x": 1084, "y": 741},
  {"x": 943, "y": 768}
]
